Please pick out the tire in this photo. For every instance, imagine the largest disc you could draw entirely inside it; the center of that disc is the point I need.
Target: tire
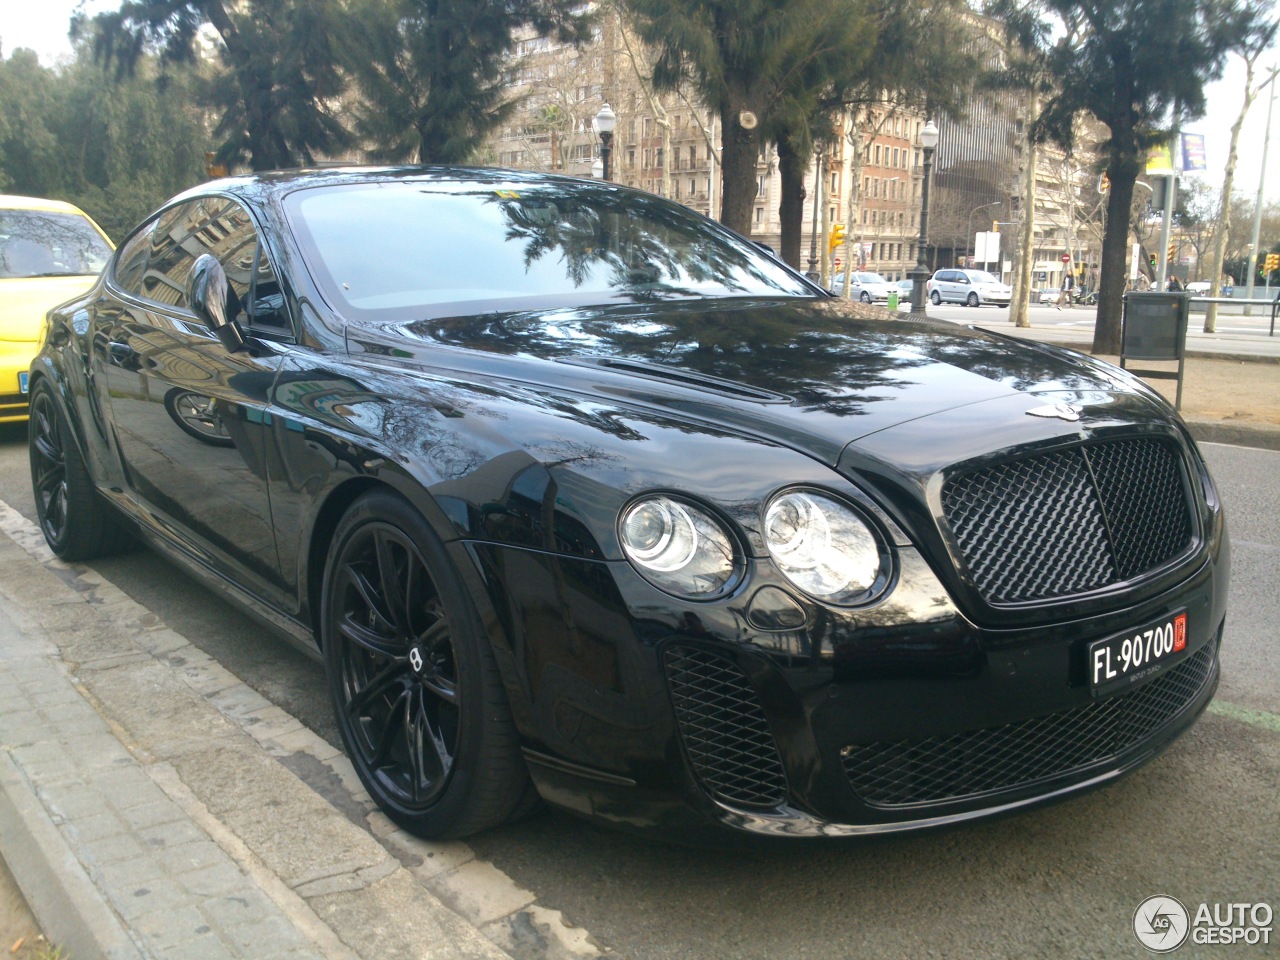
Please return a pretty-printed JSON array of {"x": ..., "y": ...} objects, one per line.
[
  {"x": 935, "y": 298},
  {"x": 77, "y": 522},
  {"x": 866, "y": 297},
  {"x": 415, "y": 690},
  {"x": 973, "y": 300}
]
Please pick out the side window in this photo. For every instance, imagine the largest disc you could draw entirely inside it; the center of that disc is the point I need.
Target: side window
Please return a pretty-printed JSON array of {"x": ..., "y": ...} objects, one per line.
[
  {"x": 173, "y": 250},
  {"x": 131, "y": 261},
  {"x": 208, "y": 225}
]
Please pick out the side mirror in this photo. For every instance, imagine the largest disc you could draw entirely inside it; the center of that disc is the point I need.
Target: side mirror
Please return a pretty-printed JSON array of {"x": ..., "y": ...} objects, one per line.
[{"x": 207, "y": 296}]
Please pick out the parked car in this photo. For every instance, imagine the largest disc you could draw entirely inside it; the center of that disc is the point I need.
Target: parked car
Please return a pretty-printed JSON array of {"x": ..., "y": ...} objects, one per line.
[
  {"x": 1198, "y": 287},
  {"x": 904, "y": 292},
  {"x": 576, "y": 493},
  {"x": 867, "y": 287},
  {"x": 971, "y": 287},
  {"x": 49, "y": 252}
]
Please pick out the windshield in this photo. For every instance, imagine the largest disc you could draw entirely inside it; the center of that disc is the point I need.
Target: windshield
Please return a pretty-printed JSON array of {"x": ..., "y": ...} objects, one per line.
[
  {"x": 870, "y": 278},
  {"x": 981, "y": 276},
  {"x": 406, "y": 250},
  {"x": 37, "y": 243}
]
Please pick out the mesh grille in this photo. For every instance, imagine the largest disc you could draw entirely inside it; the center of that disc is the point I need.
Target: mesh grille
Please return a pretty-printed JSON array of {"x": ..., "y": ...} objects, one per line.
[
  {"x": 1071, "y": 521},
  {"x": 1140, "y": 484},
  {"x": 998, "y": 758},
  {"x": 724, "y": 728}
]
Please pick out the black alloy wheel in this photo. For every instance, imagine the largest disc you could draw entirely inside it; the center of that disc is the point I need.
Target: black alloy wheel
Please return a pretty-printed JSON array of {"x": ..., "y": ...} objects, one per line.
[
  {"x": 76, "y": 522},
  {"x": 422, "y": 712}
]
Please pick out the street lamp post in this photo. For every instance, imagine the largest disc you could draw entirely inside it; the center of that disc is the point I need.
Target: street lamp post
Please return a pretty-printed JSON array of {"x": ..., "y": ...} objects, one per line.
[
  {"x": 606, "y": 120},
  {"x": 968, "y": 230},
  {"x": 920, "y": 273}
]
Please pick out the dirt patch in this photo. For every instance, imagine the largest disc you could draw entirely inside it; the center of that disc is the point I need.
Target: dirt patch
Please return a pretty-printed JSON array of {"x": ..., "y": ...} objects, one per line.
[{"x": 1230, "y": 390}]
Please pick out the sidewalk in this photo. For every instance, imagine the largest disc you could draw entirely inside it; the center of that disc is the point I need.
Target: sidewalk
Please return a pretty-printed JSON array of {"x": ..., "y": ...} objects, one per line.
[{"x": 154, "y": 806}]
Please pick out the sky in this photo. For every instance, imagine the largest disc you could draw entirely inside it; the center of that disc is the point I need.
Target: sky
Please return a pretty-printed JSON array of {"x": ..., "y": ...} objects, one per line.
[{"x": 42, "y": 26}]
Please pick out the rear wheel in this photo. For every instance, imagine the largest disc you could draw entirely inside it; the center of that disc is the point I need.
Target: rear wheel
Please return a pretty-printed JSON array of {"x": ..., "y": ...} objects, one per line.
[
  {"x": 935, "y": 298},
  {"x": 77, "y": 523},
  {"x": 973, "y": 300},
  {"x": 415, "y": 690}
]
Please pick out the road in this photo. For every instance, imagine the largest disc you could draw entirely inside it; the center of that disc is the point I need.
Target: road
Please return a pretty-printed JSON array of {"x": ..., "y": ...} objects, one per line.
[
  {"x": 1230, "y": 317},
  {"x": 1199, "y": 823}
]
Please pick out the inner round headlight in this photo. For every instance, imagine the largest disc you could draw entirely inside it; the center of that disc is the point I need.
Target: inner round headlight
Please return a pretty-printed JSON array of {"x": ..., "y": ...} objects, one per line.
[
  {"x": 677, "y": 547},
  {"x": 822, "y": 546}
]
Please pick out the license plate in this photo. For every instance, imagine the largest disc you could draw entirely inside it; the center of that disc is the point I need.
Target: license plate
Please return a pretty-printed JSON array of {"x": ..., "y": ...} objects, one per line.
[
  {"x": 22, "y": 382},
  {"x": 1137, "y": 655}
]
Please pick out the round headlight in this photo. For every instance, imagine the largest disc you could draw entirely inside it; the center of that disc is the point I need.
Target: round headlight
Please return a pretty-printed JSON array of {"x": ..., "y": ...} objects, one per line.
[
  {"x": 822, "y": 546},
  {"x": 677, "y": 547}
]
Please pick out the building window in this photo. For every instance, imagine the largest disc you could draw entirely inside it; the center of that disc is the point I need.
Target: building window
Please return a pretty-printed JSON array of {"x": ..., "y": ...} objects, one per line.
[{"x": 759, "y": 215}]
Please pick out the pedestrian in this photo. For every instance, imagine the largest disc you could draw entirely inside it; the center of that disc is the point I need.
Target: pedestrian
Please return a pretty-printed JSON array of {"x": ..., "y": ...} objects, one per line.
[
  {"x": 1068, "y": 285},
  {"x": 1174, "y": 285}
]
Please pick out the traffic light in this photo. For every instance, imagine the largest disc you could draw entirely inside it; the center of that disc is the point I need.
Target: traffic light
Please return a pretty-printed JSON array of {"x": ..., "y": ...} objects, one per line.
[
  {"x": 1272, "y": 263},
  {"x": 837, "y": 235},
  {"x": 1153, "y": 261},
  {"x": 1172, "y": 254}
]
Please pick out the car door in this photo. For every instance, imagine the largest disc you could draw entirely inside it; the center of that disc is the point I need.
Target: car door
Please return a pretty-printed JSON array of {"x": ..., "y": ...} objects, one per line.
[{"x": 188, "y": 417}]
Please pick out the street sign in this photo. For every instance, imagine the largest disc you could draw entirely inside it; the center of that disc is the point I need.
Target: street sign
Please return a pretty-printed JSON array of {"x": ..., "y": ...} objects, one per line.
[{"x": 1066, "y": 258}]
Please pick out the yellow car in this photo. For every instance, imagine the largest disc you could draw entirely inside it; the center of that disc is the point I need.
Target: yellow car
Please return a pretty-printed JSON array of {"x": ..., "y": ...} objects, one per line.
[{"x": 50, "y": 251}]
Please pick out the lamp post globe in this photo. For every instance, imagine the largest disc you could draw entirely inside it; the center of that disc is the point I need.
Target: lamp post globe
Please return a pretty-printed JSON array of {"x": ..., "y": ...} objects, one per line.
[
  {"x": 605, "y": 122},
  {"x": 919, "y": 274}
]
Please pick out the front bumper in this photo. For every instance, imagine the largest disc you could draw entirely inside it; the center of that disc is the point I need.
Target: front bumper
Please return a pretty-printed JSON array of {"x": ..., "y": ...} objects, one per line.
[
  {"x": 15, "y": 358},
  {"x": 646, "y": 712}
]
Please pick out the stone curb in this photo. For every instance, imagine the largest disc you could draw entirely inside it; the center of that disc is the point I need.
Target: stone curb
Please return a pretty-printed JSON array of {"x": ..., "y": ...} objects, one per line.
[{"x": 71, "y": 910}]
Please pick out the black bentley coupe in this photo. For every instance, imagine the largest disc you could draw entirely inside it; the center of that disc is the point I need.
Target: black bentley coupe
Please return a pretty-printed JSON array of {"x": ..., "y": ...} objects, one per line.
[{"x": 579, "y": 494}]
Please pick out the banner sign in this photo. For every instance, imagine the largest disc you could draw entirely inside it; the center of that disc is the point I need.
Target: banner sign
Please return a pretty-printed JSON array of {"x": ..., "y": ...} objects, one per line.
[
  {"x": 1159, "y": 162},
  {"x": 1193, "y": 152}
]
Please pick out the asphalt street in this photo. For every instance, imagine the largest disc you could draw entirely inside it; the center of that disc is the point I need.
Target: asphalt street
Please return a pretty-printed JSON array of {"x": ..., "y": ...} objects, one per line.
[{"x": 1199, "y": 823}]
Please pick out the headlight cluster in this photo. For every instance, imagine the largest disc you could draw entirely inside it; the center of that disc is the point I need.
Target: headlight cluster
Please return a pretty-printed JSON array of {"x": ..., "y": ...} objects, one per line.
[
  {"x": 825, "y": 548},
  {"x": 678, "y": 547},
  {"x": 822, "y": 546}
]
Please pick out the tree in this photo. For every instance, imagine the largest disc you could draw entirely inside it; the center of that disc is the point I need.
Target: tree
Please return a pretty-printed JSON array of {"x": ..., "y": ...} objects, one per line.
[
  {"x": 753, "y": 62},
  {"x": 1249, "y": 47},
  {"x": 430, "y": 72},
  {"x": 1139, "y": 67},
  {"x": 117, "y": 150},
  {"x": 279, "y": 98}
]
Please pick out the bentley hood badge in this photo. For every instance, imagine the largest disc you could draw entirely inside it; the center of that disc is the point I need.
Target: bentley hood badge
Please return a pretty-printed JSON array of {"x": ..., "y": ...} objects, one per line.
[{"x": 1063, "y": 411}]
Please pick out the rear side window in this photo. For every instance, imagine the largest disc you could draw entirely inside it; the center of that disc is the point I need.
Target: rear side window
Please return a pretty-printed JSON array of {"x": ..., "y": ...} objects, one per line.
[{"x": 131, "y": 262}]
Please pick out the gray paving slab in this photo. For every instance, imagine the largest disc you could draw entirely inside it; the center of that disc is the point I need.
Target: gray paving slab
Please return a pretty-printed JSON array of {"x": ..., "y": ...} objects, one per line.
[{"x": 134, "y": 804}]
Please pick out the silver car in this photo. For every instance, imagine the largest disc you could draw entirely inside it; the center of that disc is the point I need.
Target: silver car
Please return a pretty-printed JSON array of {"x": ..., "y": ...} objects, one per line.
[
  {"x": 972, "y": 287},
  {"x": 867, "y": 287}
]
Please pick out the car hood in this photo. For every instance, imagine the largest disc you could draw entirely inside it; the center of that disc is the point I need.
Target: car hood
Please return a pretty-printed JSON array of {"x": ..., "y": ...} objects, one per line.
[
  {"x": 25, "y": 300},
  {"x": 808, "y": 374}
]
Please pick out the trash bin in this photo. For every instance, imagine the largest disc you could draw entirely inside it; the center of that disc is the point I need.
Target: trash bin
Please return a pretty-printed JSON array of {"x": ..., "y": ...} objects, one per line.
[
  {"x": 1154, "y": 327},
  {"x": 893, "y": 300}
]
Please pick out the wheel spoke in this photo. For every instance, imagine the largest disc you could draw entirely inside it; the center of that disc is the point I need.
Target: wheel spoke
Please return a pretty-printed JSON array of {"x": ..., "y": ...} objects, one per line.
[
  {"x": 394, "y": 591},
  {"x": 48, "y": 450},
  {"x": 432, "y": 756},
  {"x": 375, "y": 601},
  {"x": 49, "y": 479},
  {"x": 384, "y": 681},
  {"x": 387, "y": 735},
  {"x": 380, "y": 645}
]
